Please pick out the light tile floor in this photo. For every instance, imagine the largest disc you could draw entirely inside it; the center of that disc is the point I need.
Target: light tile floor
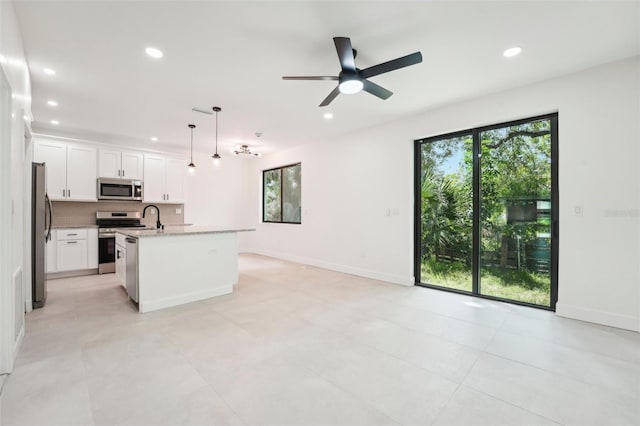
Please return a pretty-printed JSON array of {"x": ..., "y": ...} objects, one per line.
[{"x": 297, "y": 345}]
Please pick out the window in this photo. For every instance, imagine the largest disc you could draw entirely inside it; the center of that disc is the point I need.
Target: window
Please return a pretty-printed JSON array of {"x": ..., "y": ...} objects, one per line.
[{"x": 281, "y": 194}]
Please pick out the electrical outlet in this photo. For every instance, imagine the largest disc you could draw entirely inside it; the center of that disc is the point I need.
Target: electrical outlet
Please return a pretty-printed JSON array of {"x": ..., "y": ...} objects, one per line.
[
  {"x": 578, "y": 210},
  {"x": 388, "y": 212},
  {"x": 395, "y": 212},
  {"x": 153, "y": 212},
  {"x": 178, "y": 211}
]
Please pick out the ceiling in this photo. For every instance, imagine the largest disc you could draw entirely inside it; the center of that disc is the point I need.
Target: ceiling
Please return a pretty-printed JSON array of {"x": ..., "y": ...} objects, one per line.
[{"x": 233, "y": 55}]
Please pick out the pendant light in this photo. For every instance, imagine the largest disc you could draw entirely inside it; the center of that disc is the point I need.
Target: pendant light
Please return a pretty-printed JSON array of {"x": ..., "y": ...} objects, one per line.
[
  {"x": 216, "y": 157},
  {"x": 191, "y": 166}
]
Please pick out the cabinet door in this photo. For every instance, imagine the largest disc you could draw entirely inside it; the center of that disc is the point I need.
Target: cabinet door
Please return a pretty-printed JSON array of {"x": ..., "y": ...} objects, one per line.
[
  {"x": 175, "y": 180},
  {"x": 81, "y": 173},
  {"x": 72, "y": 255},
  {"x": 109, "y": 163},
  {"x": 154, "y": 178},
  {"x": 132, "y": 165},
  {"x": 54, "y": 155}
]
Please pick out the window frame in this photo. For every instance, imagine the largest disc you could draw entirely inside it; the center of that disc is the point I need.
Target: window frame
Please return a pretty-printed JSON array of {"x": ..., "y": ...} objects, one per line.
[
  {"x": 475, "y": 132},
  {"x": 280, "y": 169}
]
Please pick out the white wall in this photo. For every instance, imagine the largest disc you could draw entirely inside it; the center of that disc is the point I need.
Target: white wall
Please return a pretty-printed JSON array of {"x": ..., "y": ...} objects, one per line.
[
  {"x": 216, "y": 194},
  {"x": 14, "y": 201},
  {"x": 349, "y": 183}
]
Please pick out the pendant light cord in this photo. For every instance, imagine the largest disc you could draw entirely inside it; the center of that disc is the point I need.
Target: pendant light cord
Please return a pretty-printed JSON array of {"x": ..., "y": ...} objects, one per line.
[
  {"x": 216, "y": 132},
  {"x": 191, "y": 165}
]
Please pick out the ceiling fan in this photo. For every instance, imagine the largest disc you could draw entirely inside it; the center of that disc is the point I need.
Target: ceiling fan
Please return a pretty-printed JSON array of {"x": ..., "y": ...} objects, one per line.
[{"x": 351, "y": 79}]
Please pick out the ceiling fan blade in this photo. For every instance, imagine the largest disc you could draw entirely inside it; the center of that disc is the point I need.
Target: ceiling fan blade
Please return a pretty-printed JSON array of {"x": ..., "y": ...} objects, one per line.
[
  {"x": 314, "y": 77},
  {"x": 345, "y": 53},
  {"x": 405, "y": 61},
  {"x": 204, "y": 111},
  {"x": 375, "y": 90},
  {"x": 335, "y": 92}
]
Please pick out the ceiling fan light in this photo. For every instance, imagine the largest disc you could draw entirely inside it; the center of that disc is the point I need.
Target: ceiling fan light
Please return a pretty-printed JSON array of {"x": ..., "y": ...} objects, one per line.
[{"x": 350, "y": 86}]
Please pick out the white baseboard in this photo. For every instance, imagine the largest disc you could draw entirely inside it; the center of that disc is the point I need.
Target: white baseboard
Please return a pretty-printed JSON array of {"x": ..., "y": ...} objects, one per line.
[
  {"x": 154, "y": 305},
  {"x": 598, "y": 317},
  {"x": 70, "y": 274},
  {"x": 367, "y": 273}
]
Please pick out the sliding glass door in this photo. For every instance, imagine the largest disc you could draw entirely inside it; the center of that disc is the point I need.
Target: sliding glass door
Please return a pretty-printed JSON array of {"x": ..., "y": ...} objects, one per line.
[
  {"x": 446, "y": 197},
  {"x": 486, "y": 211}
]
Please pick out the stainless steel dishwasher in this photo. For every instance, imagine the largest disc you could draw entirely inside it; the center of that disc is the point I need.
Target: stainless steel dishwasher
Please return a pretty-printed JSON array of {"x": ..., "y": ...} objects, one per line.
[{"x": 132, "y": 268}]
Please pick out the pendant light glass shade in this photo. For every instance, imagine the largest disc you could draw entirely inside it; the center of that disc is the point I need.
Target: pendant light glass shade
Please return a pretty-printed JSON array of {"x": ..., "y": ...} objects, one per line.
[
  {"x": 216, "y": 157},
  {"x": 191, "y": 167}
]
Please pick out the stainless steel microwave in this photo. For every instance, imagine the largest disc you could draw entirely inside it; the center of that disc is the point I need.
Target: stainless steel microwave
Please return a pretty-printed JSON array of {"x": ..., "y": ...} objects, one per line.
[{"x": 119, "y": 189}]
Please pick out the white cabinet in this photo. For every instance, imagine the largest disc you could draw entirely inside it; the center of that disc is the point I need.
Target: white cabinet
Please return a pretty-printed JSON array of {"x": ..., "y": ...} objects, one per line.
[
  {"x": 71, "y": 169},
  {"x": 175, "y": 177},
  {"x": 164, "y": 179},
  {"x": 54, "y": 155},
  {"x": 120, "y": 164},
  {"x": 72, "y": 255},
  {"x": 81, "y": 173},
  {"x": 72, "y": 249},
  {"x": 154, "y": 178}
]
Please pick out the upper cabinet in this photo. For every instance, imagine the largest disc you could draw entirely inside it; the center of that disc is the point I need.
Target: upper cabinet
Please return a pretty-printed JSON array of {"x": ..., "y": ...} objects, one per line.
[
  {"x": 71, "y": 169},
  {"x": 164, "y": 179},
  {"x": 120, "y": 164}
]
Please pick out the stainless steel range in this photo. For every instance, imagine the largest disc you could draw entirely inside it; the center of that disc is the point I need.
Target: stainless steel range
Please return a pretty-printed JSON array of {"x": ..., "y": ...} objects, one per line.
[{"x": 107, "y": 223}]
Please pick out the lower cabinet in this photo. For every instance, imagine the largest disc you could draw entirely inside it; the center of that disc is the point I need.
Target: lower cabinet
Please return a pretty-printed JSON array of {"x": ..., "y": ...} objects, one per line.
[
  {"x": 72, "y": 249},
  {"x": 72, "y": 255}
]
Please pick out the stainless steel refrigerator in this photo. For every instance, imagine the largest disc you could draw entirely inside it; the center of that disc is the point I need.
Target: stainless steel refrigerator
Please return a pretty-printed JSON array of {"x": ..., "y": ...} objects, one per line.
[{"x": 40, "y": 232}]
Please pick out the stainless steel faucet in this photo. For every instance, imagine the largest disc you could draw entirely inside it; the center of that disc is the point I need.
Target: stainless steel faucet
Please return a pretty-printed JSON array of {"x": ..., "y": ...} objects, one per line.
[{"x": 158, "y": 224}]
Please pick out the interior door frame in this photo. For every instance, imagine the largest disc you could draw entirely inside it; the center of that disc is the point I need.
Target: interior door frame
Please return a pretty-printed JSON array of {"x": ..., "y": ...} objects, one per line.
[
  {"x": 475, "y": 266},
  {"x": 7, "y": 302}
]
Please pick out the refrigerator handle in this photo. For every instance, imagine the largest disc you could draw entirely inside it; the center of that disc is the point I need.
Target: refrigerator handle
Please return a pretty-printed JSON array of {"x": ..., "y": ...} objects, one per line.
[{"x": 48, "y": 236}]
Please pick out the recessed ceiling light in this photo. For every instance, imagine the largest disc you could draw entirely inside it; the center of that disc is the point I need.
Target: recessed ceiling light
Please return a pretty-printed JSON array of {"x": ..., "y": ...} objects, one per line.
[
  {"x": 55, "y": 122},
  {"x": 52, "y": 103},
  {"x": 154, "y": 53},
  {"x": 327, "y": 116},
  {"x": 512, "y": 51},
  {"x": 154, "y": 139},
  {"x": 49, "y": 71}
]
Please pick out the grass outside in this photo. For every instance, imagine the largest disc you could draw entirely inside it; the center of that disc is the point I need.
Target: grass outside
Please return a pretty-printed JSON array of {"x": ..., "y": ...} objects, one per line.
[{"x": 523, "y": 286}]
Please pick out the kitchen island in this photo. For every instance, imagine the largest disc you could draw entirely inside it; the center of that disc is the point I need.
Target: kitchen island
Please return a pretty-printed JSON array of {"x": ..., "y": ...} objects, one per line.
[{"x": 179, "y": 264}]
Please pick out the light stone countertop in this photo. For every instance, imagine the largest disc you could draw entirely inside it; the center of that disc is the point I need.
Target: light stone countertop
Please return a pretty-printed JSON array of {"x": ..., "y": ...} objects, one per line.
[
  {"x": 73, "y": 226},
  {"x": 179, "y": 230}
]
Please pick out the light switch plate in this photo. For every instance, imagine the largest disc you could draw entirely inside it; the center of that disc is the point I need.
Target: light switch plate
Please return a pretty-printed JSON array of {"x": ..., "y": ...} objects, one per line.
[{"x": 178, "y": 211}]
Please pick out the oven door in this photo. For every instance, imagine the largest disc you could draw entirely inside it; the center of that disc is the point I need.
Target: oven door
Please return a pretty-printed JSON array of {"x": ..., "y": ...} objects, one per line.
[{"x": 106, "y": 253}]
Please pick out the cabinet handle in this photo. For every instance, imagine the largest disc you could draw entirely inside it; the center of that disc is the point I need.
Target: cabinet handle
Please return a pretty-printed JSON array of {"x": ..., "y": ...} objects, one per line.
[
  {"x": 118, "y": 172},
  {"x": 72, "y": 242},
  {"x": 68, "y": 235},
  {"x": 64, "y": 193},
  {"x": 167, "y": 197},
  {"x": 122, "y": 172},
  {"x": 69, "y": 193}
]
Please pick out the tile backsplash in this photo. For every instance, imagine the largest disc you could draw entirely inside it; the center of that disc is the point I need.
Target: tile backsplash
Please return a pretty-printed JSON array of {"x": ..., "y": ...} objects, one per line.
[{"x": 73, "y": 213}]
